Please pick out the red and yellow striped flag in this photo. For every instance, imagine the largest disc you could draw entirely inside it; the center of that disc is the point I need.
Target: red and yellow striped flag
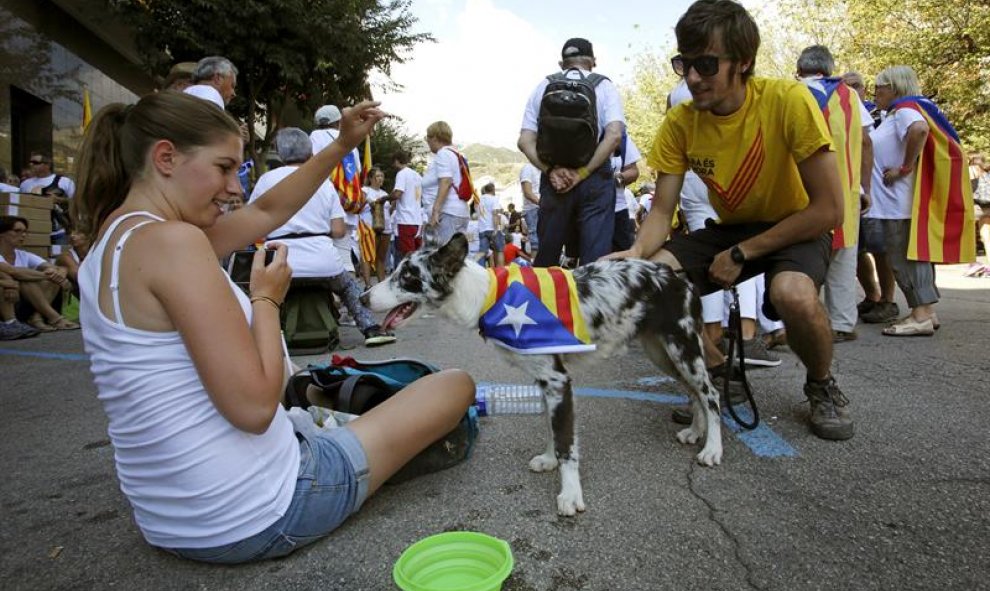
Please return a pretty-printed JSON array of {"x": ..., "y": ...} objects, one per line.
[
  {"x": 841, "y": 111},
  {"x": 534, "y": 311},
  {"x": 942, "y": 224},
  {"x": 366, "y": 240}
]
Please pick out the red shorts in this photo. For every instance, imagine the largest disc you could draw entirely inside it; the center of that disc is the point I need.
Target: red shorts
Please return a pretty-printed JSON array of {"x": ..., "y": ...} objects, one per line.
[{"x": 408, "y": 241}]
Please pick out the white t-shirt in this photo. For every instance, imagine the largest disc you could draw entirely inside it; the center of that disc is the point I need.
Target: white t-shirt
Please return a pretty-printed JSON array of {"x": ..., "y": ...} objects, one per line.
[
  {"x": 444, "y": 166},
  {"x": 371, "y": 195},
  {"x": 26, "y": 260},
  {"x": 530, "y": 174},
  {"x": 695, "y": 203},
  {"x": 632, "y": 156},
  {"x": 5, "y": 188},
  {"x": 491, "y": 206},
  {"x": 474, "y": 245},
  {"x": 36, "y": 184},
  {"x": 889, "y": 145},
  {"x": 321, "y": 138},
  {"x": 631, "y": 203},
  {"x": 312, "y": 256},
  {"x": 646, "y": 202},
  {"x": 608, "y": 103},
  {"x": 207, "y": 93},
  {"x": 408, "y": 210}
]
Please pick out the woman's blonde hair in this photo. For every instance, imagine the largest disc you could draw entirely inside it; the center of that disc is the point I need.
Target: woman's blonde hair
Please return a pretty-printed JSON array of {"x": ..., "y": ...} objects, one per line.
[
  {"x": 115, "y": 149},
  {"x": 440, "y": 130},
  {"x": 902, "y": 81}
]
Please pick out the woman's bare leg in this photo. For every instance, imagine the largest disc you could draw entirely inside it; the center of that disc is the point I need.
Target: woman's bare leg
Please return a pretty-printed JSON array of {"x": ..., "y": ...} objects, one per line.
[
  {"x": 396, "y": 430},
  {"x": 40, "y": 295}
]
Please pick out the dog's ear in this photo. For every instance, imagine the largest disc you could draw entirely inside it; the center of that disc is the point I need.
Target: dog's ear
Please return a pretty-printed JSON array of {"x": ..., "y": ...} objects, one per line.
[{"x": 450, "y": 257}]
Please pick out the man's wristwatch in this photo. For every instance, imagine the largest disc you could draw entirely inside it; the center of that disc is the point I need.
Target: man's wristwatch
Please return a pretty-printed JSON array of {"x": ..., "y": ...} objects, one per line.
[{"x": 738, "y": 256}]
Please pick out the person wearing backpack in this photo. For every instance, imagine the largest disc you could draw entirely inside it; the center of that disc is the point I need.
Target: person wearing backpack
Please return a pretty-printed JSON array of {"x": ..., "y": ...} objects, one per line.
[
  {"x": 448, "y": 211},
  {"x": 572, "y": 123}
]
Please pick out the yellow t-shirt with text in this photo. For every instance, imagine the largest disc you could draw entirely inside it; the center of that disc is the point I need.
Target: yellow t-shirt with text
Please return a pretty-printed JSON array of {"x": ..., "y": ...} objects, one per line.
[{"x": 748, "y": 160}]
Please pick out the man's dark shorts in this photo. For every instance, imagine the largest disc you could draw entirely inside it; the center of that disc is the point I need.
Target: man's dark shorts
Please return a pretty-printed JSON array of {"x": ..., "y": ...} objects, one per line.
[
  {"x": 696, "y": 251},
  {"x": 871, "y": 236}
]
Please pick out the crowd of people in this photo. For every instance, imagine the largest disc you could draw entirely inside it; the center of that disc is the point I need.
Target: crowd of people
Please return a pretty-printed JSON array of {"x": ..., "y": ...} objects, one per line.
[{"x": 817, "y": 186}]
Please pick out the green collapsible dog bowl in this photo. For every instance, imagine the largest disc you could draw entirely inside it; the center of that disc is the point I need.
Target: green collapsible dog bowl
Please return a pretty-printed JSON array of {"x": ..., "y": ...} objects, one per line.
[{"x": 454, "y": 561}]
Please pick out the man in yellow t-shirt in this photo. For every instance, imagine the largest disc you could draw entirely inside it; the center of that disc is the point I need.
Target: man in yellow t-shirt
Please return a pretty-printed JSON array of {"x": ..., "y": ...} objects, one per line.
[{"x": 764, "y": 151}]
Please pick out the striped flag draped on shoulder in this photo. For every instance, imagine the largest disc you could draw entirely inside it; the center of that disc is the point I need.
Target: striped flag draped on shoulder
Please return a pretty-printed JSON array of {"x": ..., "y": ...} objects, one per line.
[
  {"x": 840, "y": 106},
  {"x": 942, "y": 223}
]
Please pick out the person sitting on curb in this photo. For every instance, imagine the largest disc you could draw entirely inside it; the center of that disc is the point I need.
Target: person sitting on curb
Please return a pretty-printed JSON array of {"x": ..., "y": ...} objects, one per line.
[{"x": 39, "y": 282}]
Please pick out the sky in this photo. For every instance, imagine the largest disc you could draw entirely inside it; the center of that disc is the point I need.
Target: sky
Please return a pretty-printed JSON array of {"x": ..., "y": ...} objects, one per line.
[{"x": 490, "y": 55}]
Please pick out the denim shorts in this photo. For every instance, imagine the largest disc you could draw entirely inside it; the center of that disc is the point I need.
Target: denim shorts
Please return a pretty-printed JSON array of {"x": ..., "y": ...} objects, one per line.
[
  {"x": 871, "y": 236},
  {"x": 490, "y": 239},
  {"x": 332, "y": 484}
]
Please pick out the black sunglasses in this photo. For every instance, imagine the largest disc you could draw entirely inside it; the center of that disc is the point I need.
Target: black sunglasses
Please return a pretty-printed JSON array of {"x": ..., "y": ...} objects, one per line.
[
  {"x": 704, "y": 65},
  {"x": 36, "y": 161}
]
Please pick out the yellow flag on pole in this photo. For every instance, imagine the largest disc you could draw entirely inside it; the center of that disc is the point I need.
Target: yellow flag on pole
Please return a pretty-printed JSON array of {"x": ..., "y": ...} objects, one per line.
[{"x": 87, "y": 109}]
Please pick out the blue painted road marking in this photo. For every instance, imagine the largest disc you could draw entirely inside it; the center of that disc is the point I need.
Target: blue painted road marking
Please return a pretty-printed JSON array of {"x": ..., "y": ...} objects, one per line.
[
  {"x": 45, "y": 355},
  {"x": 762, "y": 440}
]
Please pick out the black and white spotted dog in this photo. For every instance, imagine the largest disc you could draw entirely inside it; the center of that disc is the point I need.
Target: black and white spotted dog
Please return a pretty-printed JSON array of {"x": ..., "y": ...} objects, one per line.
[{"x": 619, "y": 300}]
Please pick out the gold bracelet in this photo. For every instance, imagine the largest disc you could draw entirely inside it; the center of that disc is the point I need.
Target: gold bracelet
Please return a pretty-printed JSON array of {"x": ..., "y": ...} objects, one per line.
[
  {"x": 277, "y": 305},
  {"x": 583, "y": 172}
]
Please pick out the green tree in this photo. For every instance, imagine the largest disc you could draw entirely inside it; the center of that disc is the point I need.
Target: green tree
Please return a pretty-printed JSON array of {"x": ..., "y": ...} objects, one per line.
[
  {"x": 299, "y": 52},
  {"x": 389, "y": 137}
]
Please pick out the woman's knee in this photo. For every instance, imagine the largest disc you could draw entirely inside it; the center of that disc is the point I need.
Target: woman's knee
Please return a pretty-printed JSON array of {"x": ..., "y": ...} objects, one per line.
[{"x": 459, "y": 383}]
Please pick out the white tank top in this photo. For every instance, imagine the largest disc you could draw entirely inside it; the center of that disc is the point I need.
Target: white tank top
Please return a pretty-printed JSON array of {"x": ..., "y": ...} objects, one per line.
[{"x": 194, "y": 480}]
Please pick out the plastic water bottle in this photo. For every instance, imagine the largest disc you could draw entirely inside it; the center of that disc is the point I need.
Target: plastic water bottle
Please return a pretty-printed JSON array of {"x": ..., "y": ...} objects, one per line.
[{"x": 504, "y": 399}]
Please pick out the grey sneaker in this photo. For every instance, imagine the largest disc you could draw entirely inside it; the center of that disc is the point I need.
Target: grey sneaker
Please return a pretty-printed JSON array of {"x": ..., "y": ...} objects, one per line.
[
  {"x": 829, "y": 416},
  {"x": 755, "y": 353},
  {"x": 11, "y": 331},
  {"x": 881, "y": 313}
]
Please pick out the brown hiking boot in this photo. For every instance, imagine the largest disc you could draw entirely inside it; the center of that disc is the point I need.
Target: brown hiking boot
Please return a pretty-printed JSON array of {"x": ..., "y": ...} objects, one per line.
[{"x": 829, "y": 416}]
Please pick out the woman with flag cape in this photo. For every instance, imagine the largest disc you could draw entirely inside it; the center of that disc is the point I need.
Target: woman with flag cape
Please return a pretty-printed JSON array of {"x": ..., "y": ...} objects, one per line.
[{"x": 921, "y": 194}]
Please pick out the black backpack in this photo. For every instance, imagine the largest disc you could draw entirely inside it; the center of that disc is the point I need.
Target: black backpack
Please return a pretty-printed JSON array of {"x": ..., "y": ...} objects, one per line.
[{"x": 567, "y": 128}]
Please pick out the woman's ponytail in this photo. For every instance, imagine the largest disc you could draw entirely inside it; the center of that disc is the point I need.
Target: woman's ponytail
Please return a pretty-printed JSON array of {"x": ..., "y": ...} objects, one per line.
[{"x": 103, "y": 180}]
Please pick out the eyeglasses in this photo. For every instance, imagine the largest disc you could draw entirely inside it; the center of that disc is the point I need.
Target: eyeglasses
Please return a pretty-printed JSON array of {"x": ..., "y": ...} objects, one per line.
[
  {"x": 36, "y": 162},
  {"x": 704, "y": 65}
]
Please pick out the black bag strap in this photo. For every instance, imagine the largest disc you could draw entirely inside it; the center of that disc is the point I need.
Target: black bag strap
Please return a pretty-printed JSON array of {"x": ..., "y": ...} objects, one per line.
[{"x": 53, "y": 184}]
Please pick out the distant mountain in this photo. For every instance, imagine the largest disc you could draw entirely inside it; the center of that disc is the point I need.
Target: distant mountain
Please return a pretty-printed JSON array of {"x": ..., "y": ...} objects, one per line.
[{"x": 482, "y": 154}]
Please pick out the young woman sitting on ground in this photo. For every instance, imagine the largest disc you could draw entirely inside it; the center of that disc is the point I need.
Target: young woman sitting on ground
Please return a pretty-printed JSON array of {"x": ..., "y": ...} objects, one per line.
[{"x": 191, "y": 371}]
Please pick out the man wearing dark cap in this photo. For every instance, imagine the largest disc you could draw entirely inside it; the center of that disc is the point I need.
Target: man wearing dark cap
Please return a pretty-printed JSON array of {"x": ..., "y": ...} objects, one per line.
[{"x": 572, "y": 148}]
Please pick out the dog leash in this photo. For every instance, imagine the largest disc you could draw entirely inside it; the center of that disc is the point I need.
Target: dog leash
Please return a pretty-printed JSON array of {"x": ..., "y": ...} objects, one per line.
[{"x": 735, "y": 344}]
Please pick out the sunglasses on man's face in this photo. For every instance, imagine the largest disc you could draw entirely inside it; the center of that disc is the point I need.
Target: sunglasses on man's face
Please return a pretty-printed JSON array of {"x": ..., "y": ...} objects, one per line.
[
  {"x": 704, "y": 65},
  {"x": 36, "y": 161}
]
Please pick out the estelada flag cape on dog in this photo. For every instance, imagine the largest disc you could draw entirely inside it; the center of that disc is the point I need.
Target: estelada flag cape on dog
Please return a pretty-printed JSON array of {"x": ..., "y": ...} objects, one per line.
[
  {"x": 840, "y": 106},
  {"x": 942, "y": 226},
  {"x": 534, "y": 311}
]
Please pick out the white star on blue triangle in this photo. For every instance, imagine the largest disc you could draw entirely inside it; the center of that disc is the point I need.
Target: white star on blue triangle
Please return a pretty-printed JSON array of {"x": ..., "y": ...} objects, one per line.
[{"x": 516, "y": 316}]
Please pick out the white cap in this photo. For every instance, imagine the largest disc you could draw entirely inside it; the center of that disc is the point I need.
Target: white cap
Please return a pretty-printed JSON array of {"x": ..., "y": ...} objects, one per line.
[
  {"x": 207, "y": 93},
  {"x": 326, "y": 115}
]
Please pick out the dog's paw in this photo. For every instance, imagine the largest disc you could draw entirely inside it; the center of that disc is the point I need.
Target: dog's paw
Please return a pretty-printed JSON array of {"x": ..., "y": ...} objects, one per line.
[
  {"x": 543, "y": 463},
  {"x": 569, "y": 503},
  {"x": 688, "y": 436},
  {"x": 710, "y": 456}
]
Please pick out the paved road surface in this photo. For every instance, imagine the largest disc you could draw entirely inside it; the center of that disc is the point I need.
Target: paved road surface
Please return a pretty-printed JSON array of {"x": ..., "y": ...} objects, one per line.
[{"x": 903, "y": 505}]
